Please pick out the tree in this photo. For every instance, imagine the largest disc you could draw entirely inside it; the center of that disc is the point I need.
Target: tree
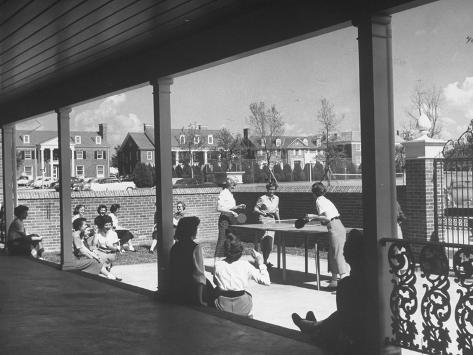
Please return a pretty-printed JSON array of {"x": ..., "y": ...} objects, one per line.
[
  {"x": 329, "y": 122},
  {"x": 427, "y": 101},
  {"x": 268, "y": 126},
  {"x": 114, "y": 159},
  {"x": 143, "y": 175},
  {"x": 230, "y": 148},
  {"x": 189, "y": 140}
]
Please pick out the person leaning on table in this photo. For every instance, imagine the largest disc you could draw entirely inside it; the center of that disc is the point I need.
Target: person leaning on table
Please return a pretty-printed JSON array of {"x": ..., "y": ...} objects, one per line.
[
  {"x": 327, "y": 214},
  {"x": 227, "y": 207},
  {"x": 267, "y": 209}
]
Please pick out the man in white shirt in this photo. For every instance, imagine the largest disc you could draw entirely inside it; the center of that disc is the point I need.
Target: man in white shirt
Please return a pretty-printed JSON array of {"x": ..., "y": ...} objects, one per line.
[{"x": 267, "y": 208}]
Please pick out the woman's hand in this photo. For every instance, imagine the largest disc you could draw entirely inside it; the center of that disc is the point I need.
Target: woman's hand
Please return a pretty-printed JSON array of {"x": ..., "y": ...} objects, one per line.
[
  {"x": 257, "y": 256},
  {"x": 241, "y": 206}
]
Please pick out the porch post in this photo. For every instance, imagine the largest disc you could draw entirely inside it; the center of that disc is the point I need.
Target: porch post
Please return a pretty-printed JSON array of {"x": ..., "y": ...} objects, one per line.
[
  {"x": 72, "y": 161},
  {"x": 51, "y": 161},
  {"x": 379, "y": 181},
  {"x": 42, "y": 161},
  {"x": 163, "y": 163},
  {"x": 9, "y": 172},
  {"x": 64, "y": 145}
]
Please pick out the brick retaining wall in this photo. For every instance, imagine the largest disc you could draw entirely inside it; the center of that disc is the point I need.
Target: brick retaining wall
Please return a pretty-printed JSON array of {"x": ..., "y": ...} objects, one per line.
[{"x": 137, "y": 207}]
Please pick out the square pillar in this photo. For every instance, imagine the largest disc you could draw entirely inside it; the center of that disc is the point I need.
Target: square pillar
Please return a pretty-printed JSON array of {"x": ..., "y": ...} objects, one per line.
[
  {"x": 10, "y": 198},
  {"x": 163, "y": 163},
  {"x": 64, "y": 145},
  {"x": 379, "y": 180}
]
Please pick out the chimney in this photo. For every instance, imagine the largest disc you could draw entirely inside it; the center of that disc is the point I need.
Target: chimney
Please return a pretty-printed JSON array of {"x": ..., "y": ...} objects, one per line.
[
  {"x": 245, "y": 134},
  {"x": 103, "y": 131}
]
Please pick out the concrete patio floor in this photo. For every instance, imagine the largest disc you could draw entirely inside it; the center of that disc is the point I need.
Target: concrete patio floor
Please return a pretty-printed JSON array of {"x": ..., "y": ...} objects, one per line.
[{"x": 273, "y": 304}]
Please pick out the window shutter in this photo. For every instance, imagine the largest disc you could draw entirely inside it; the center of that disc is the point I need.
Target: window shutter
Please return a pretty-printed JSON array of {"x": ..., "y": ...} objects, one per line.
[
  {"x": 104, "y": 155},
  {"x": 95, "y": 154},
  {"x": 75, "y": 154},
  {"x": 33, "y": 154},
  {"x": 84, "y": 156},
  {"x": 22, "y": 155}
]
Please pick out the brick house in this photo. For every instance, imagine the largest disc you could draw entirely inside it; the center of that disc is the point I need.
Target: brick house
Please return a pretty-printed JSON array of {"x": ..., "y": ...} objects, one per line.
[
  {"x": 38, "y": 153},
  {"x": 139, "y": 147}
]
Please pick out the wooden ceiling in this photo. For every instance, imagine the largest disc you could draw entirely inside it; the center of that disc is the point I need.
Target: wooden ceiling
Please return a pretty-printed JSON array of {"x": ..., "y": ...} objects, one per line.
[{"x": 59, "y": 52}]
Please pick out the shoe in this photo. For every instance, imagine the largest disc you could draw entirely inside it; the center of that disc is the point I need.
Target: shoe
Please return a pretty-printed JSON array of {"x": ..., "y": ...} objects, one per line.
[
  {"x": 151, "y": 251},
  {"x": 269, "y": 265},
  {"x": 311, "y": 316},
  {"x": 333, "y": 284},
  {"x": 296, "y": 319},
  {"x": 34, "y": 253}
]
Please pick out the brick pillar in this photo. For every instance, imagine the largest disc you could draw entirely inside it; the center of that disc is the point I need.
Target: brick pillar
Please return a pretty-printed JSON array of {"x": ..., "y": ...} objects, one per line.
[{"x": 420, "y": 191}]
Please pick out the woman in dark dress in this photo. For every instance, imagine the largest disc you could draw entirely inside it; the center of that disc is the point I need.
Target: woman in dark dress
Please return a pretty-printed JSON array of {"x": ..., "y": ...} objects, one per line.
[{"x": 18, "y": 242}]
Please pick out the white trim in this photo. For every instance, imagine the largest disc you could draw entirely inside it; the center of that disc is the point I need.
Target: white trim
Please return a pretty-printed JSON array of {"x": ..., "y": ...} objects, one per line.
[
  {"x": 97, "y": 171},
  {"x": 98, "y": 140},
  {"x": 30, "y": 152},
  {"x": 79, "y": 155},
  {"x": 182, "y": 139},
  {"x": 99, "y": 154},
  {"x": 30, "y": 167},
  {"x": 78, "y": 174},
  {"x": 210, "y": 139},
  {"x": 26, "y": 139},
  {"x": 77, "y": 139}
]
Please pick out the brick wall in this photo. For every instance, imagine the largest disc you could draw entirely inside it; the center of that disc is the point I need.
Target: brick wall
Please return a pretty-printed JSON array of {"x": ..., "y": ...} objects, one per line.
[{"x": 137, "y": 208}]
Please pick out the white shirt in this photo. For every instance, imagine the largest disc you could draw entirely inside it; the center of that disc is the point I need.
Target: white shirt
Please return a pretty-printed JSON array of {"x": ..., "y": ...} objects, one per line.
[
  {"x": 272, "y": 204},
  {"x": 236, "y": 276},
  {"x": 226, "y": 201},
  {"x": 108, "y": 240},
  {"x": 326, "y": 207}
]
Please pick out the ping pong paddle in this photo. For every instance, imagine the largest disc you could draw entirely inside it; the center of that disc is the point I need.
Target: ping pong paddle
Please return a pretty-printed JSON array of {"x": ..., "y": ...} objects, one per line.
[
  {"x": 241, "y": 218},
  {"x": 300, "y": 222}
]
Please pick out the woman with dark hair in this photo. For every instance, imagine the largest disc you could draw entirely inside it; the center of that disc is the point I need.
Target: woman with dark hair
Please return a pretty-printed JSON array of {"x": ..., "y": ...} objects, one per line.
[
  {"x": 124, "y": 235},
  {"x": 105, "y": 241},
  {"x": 341, "y": 331},
  {"x": 79, "y": 212},
  {"x": 18, "y": 242},
  {"x": 267, "y": 209},
  {"x": 180, "y": 208},
  {"x": 86, "y": 260},
  {"x": 227, "y": 207},
  {"x": 188, "y": 283},
  {"x": 232, "y": 276},
  {"x": 328, "y": 215},
  {"x": 101, "y": 211}
]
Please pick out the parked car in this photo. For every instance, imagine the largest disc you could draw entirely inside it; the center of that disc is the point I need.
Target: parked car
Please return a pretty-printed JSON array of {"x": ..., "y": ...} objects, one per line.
[
  {"x": 24, "y": 181},
  {"x": 77, "y": 184},
  {"x": 110, "y": 184},
  {"x": 192, "y": 182},
  {"x": 43, "y": 182}
]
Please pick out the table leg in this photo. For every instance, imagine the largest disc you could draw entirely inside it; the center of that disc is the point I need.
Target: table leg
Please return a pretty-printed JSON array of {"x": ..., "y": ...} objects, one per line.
[
  {"x": 306, "y": 250},
  {"x": 278, "y": 244},
  {"x": 317, "y": 264},
  {"x": 283, "y": 242}
]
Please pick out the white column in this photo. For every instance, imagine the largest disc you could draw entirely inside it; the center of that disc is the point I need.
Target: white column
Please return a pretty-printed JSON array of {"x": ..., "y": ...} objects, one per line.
[
  {"x": 177, "y": 157},
  {"x": 73, "y": 173},
  {"x": 42, "y": 161},
  {"x": 51, "y": 159},
  {"x": 205, "y": 157},
  {"x": 9, "y": 172},
  {"x": 64, "y": 146},
  {"x": 163, "y": 163},
  {"x": 379, "y": 182}
]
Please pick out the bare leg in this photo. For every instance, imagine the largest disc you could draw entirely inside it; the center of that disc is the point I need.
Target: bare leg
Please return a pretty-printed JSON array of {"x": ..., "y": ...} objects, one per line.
[
  {"x": 266, "y": 247},
  {"x": 153, "y": 245}
]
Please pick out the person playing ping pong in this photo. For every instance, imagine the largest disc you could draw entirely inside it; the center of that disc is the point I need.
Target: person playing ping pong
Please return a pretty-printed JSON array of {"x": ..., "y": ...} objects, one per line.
[
  {"x": 328, "y": 215},
  {"x": 267, "y": 209},
  {"x": 228, "y": 208}
]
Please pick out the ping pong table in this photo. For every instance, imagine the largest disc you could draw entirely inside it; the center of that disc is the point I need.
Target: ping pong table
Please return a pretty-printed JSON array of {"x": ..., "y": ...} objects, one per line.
[{"x": 311, "y": 231}]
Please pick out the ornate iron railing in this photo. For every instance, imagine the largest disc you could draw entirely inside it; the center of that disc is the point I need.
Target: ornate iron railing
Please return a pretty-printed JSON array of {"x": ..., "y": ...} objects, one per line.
[{"x": 426, "y": 293}]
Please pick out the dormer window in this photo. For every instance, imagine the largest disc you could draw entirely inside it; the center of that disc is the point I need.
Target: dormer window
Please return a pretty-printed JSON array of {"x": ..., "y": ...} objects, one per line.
[
  {"x": 98, "y": 140},
  {"x": 26, "y": 139},
  {"x": 182, "y": 139},
  {"x": 77, "y": 140},
  {"x": 278, "y": 142},
  {"x": 196, "y": 139},
  {"x": 305, "y": 141},
  {"x": 210, "y": 139}
]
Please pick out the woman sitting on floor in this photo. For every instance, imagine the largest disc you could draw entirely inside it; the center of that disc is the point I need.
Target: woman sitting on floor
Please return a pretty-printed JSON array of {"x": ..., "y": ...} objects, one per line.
[
  {"x": 79, "y": 212},
  {"x": 18, "y": 242},
  {"x": 86, "y": 260},
  {"x": 232, "y": 276},
  {"x": 105, "y": 241},
  {"x": 188, "y": 283},
  {"x": 124, "y": 235}
]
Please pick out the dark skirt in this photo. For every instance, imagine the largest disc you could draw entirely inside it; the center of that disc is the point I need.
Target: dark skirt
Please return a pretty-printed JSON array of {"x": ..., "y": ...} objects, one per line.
[
  {"x": 124, "y": 236},
  {"x": 22, "y": 246},
  {"x": 223, "y": 223}
]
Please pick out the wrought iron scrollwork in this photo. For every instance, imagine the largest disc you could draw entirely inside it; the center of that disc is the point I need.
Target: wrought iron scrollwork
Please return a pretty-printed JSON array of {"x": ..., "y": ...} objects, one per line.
[
  {"x": 463, "y": 268},
  {"x": 461, "y": 147},
  {"x": 403, "y": 300},
  {"x": 435, "y": 304}
]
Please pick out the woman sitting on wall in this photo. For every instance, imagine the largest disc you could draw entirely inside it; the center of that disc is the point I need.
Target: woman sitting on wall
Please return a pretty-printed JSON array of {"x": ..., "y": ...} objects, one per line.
[
  {"x": 232, "y": 276},
  {"x": 187, "y": 280},
  {"x": 86, "y": 260},
  {"x": 124, "y": 235},
  {"x": 18, "y": 242},
  {"x": 79, "y": 212}
]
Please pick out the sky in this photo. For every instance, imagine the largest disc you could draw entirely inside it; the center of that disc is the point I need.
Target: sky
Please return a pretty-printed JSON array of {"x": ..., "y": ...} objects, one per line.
[{"x": 429, "y": 47}]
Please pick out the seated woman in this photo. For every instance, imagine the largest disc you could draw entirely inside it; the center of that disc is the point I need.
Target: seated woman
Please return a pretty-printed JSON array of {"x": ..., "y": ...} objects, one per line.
[
  {"x": 124, "y": 235},
  {"x": 232, "y": 276},
  {"x": 18, "y": 242},
  {"x": 341, "y": 331},
  {"x": 101, "y": 211},
  {"x": 105, "y": 241},
  {"x": 79, "y": 212},
  {"x": 86, "y": 260},
  {"x": 187, "y": 280}
]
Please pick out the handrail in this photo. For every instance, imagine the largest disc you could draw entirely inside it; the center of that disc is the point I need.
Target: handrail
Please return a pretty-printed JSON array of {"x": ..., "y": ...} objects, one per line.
[{"x": 384, "y": 241}]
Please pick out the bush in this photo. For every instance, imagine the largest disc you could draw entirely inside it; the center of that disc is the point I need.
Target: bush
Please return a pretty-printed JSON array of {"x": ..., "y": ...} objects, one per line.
[
  {"x": 143, "y": 175},
  {"x": 287, "y": 172},
  {"x": 298, "y": 173}
]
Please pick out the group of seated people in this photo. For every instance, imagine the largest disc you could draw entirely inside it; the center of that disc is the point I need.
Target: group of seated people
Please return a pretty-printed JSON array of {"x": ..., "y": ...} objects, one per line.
[{"x": 188, "y": 285}]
